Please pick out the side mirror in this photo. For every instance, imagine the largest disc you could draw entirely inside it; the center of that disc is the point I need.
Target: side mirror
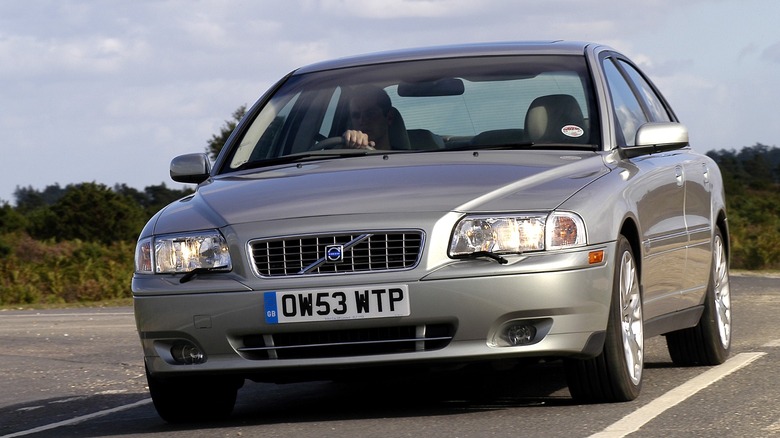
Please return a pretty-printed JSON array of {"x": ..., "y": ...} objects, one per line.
[
  {"x": 190, "y": 168},
  {"x": 657, "y": 137}
]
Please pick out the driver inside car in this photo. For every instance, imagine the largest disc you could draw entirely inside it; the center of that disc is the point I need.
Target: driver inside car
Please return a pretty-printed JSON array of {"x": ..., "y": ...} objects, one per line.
[{"x": 370, "y": 119}]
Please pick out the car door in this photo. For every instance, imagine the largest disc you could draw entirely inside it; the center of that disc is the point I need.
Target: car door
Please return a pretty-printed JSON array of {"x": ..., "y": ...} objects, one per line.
[
  {"x": 697, "y": 196},
  {"x": 659, "y": 197},
  {"x": 698, "y": 218}
]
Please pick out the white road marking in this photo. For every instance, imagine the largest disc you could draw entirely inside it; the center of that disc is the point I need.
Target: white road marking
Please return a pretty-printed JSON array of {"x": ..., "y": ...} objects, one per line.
[
  {"x": 635, "y": 420},
  {"x": 772, "y": 344},
  {"x": 775, "y": 427},
  {"x": 60, "y": 315},
  {"x": 628, "y": 424},
  {"x": 77, "y": 420},
  {"x": 68, "y": 400}
]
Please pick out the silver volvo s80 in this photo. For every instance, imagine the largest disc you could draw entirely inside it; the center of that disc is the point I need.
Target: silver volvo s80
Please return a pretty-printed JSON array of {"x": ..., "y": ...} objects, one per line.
[{"x": 451, "y": 205}]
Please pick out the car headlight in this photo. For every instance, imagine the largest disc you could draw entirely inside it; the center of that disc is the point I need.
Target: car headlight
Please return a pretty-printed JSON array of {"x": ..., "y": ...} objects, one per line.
[
  {"x": 506, "y": 234},
  {"x": 182, "y": 253}
]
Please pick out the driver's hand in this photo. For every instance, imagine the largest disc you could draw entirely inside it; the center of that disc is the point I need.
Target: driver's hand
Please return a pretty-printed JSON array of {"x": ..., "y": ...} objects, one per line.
[{"x": 358, "y": 140}]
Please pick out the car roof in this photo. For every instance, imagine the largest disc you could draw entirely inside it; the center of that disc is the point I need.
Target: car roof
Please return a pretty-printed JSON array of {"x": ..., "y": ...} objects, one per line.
[{"x": 558, "y": 47}]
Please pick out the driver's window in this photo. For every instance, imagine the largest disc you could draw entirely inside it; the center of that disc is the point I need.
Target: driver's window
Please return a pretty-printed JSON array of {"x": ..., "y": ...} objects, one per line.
[
  {"x": 628, "y": 112},
  {"x": 261, "y": 139},
  {"x": 653, "y": 101}
]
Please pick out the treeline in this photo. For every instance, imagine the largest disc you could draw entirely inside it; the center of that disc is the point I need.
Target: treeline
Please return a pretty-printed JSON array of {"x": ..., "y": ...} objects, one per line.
[
  {"x": 88, "y": 211},
  {"x": 752, "y": 179},
  {"x": 75, "y": 244}
]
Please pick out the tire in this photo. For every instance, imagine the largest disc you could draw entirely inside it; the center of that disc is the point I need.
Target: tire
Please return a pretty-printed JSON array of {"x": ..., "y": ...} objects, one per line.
[
  {"x": 193, "y": 399},
  {"x": 615, "y": 375},
  {"x": 709, "y": 341}
]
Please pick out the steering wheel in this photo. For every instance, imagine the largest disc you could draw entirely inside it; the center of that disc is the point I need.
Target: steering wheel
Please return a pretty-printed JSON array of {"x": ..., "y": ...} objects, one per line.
[{"x": 330, "y": 143}]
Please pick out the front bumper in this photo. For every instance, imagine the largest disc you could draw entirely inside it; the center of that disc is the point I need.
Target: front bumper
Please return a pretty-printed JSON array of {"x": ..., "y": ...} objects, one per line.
[{"x": 569, "y": 305}]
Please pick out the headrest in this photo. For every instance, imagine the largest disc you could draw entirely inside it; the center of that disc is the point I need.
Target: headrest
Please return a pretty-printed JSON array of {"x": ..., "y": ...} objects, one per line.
[
  {"x": 556, "y": 118},
  {"x": 397, "y": 131},
  {"x": 424, "y": 139}
]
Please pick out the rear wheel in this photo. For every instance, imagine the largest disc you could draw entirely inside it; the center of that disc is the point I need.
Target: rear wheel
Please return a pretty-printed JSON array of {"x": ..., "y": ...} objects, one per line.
[
  {"x": 193, "y": 399},
  {"x": 615, "y": 375},
  {"x": 709, "y": 342}
]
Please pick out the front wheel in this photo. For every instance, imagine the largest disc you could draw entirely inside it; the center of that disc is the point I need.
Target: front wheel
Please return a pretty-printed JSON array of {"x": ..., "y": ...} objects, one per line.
[
  {"x": 709, "y": 341},
  {"x": 193, "y": 399},
  {"x": 615, "y": 375}
]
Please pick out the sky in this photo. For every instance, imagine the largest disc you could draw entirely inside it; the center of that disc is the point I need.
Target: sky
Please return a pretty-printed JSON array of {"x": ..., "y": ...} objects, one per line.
[{"x": 110, "y": 91}]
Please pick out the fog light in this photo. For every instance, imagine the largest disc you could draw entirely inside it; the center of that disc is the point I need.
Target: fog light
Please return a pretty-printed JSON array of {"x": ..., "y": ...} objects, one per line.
[
  {"x": 520, "y": 334},
  {"x": 187, "y": 353}
]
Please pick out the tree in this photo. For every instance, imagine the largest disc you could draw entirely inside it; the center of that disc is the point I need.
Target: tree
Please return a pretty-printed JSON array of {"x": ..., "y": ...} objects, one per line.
[
  {"x": 753, "y": 167},
  {"x": 154, "y": 197},
  {"x": 91, "y": 212},
  {"x": 10, "y": 219},
  {"x": 218, "y": 141},
  {"x": 757, "y": 165},
  {"x": 29, "y": 199},
  {"x": 160, "y": 195}
]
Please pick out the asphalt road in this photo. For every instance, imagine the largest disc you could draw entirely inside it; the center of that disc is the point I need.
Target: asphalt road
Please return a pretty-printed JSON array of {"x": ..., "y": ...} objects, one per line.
[{"x": 79, "y": 373}]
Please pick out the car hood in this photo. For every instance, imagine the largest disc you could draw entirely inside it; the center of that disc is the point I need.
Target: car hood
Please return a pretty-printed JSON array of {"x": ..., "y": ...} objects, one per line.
[{"x": 488, "y": 181}]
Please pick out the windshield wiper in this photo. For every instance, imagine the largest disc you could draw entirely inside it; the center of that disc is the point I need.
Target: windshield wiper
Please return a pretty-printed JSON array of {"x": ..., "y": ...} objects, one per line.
[
  {"x": 573, "y": 146},
  {"x": 483, "y": 254},
  {"x": 524, "y": 146},
  {"x": 320, "y": 155},
  {"x": 499, "y": 146}
]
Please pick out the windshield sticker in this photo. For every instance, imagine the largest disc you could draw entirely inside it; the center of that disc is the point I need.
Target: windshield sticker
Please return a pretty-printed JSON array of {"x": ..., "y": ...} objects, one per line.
[{"x": 572, "y": 131}]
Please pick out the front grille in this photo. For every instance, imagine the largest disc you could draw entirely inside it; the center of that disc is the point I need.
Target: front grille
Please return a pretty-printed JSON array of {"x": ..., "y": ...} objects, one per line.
[
  {"x": 359, "y": 252},
  {"x": 341, "y": 343}
]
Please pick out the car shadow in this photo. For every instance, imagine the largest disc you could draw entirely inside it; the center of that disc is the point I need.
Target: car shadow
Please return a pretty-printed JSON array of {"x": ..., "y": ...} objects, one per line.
[
  {"x": 370, "y": 394},
  {"x": 38, "y": 418},
  {"x": 385, "y": 394}
]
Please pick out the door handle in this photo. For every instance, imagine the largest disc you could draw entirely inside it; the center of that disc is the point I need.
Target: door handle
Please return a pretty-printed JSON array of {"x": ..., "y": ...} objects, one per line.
[{"x": 678, "y": 175}]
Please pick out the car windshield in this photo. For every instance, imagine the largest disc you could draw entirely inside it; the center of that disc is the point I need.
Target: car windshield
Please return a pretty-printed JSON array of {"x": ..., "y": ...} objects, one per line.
[{"x": 539, "y": 101}]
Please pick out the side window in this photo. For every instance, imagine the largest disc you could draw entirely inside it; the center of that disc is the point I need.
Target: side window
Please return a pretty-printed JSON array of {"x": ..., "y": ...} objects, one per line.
[
  {"x": 328, "y": 121},
  {"x": 654, "y": 103},
  {"x": 628, "y": 111},
  {"x": 260, "y": 140}
]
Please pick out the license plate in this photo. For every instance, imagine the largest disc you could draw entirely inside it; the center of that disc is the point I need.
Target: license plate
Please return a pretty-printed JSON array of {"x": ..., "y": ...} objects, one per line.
[{"x": 336, "y": 304}]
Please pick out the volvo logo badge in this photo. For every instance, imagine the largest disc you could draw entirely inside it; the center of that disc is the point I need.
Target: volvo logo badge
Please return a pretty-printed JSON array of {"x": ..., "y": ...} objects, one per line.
[{"x": 334, "y": 253}]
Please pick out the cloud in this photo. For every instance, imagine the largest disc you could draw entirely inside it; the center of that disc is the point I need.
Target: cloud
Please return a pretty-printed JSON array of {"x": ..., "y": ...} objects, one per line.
[
  {"x": 25, "y": 56},
  {"x": 382, "y": 9},
  {"x": 299, "y": 54},
  {"x": 747, "y": 51},
  {"x": 772, "y": 53},
  {"x": 115, "y": 89}
]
